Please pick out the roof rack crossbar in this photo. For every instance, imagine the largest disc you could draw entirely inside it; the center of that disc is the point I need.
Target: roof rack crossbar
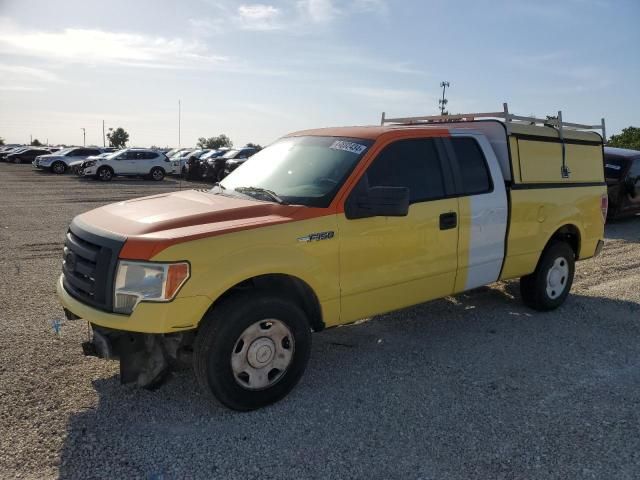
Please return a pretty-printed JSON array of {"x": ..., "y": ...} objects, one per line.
[{"x": 504, "y": 115}]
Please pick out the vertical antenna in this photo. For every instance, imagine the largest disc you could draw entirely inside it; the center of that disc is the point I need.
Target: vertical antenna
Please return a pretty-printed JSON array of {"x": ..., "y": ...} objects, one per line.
[
  {"x": 443, "y": 102},
  {"x": 179, "y": 160}
]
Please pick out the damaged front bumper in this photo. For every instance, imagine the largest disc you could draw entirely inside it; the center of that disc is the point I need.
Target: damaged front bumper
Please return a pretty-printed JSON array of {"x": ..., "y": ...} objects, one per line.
[{"x": 145, "y": 358}]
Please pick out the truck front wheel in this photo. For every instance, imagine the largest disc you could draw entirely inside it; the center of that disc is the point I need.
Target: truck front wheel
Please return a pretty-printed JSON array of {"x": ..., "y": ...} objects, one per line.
[
  {"x": 252, "y": 350},
  {"x": 548, "y": 286}
]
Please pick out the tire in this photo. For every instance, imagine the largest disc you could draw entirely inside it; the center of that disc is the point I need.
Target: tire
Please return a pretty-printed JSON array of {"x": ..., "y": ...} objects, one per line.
[
  {"x": 226, "y": 366},
  {"x": 104, "y": 174},
  {"x": 58, "y": 168},
  {"x": 548, "y": 286},
  {"x": 157, "y": 174}
]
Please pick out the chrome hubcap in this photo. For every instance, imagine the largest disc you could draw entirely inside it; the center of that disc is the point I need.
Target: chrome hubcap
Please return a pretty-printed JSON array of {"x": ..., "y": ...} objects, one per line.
[
  {"x": 557, "y": 278},
  {"x": 262, "y": 354}
]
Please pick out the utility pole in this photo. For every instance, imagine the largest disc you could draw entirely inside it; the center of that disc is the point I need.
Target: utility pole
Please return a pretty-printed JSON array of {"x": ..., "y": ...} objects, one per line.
[
  {"x": 104, "y": 143},
  {"x": 443, "y": 102},
  {"x": 179, "y": 108},
  {"x": 31, "y": 139},
  {"x": 84, "y": 136}
]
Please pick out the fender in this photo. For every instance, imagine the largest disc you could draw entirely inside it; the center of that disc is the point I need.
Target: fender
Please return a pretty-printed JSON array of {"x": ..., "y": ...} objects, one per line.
[{"x": 221, "y": 262}]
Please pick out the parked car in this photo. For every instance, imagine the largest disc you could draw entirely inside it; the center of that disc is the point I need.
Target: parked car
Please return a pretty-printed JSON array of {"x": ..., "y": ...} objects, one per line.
[
  {"x": 325, "y": 227},
  {"x": 10, "y": 150},
  {"x": 26, "y": 155},
  {"x": 178, "y": 161},
  {"x": 78, "y": 165},
  {"x": 212, "y": 164},
  {"x": 131, "y": 162},
  {"x": 191, "y": 168},
  {"x": 59, "y": 162},
  {"x": 235, "y": 158},
  {"x": 622, "y": 174}
]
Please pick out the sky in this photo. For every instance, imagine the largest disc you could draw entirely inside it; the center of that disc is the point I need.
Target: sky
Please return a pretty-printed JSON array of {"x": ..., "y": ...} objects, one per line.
[{"x": 256, "y": 71}]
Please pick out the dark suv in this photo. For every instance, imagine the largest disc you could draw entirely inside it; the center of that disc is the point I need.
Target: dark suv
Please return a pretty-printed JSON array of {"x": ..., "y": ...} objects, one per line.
[
  {"x": 622, "y": 173},
  {"x": 27, "y": 155}
]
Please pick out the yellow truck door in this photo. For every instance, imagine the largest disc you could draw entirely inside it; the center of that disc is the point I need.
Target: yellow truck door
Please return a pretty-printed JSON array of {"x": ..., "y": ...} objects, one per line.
[{"x": 388, "y": 263}]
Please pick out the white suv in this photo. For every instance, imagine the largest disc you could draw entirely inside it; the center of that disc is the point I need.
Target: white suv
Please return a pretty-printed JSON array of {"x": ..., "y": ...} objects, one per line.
[
  {"x": 59, "y": 162},
  {"x": 133, "y": 162}
]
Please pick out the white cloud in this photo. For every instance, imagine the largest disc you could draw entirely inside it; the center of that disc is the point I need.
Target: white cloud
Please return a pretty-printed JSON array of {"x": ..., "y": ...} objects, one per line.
[
  {"x": 19, "y": 78},
  {"x": 102, "y": 47},
  {"x": 318, "y": 11},
  {"x": 379, "y": 7},
  {"x": 27, "y": 73},
  {"x": 258, "y": 17},
  {"x": 20, "y": 88}
]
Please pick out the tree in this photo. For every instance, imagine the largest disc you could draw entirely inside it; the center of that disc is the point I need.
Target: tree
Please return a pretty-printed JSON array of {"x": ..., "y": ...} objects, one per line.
[
  {"x": 1, "y": 141},
  {"x": 36, "y": 143},
  {"x": 257, "y": 146},
  {"x": 215, "y": 142},
  {"x": 629, "y": 138},
  {"x": 118, "y": 138}
]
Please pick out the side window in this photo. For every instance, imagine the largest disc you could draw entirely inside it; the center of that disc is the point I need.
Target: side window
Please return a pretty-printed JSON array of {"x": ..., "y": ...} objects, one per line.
[
  {"x": 414, "y": 164},
  {"x": 474, "y": 171}
]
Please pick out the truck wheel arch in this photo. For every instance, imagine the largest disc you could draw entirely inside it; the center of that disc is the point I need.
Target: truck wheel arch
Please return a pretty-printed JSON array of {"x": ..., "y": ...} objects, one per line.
[
  {"x": 570, "y": 234},
  {"x": 285, "y": 286}
]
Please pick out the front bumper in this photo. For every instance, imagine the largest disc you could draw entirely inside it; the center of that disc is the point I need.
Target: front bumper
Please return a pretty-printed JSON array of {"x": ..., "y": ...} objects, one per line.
[
  {"x": 183, "y": 313},
  {"x": 89, "y": 171}
]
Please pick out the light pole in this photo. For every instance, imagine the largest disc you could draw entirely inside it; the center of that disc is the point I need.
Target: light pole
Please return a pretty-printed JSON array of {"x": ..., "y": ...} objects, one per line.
[
  {"x": 84, "y": 136},
  {"x": 443, "y": 102},
  {"x": 179, "y": 108}
]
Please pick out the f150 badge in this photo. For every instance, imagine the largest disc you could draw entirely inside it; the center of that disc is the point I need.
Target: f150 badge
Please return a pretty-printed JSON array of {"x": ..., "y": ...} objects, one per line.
[{"x": 316, "y": 237}]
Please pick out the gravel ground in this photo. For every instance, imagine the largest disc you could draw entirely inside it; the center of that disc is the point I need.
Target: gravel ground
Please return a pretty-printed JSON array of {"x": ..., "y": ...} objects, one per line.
[{"x": 474, "y": 386}]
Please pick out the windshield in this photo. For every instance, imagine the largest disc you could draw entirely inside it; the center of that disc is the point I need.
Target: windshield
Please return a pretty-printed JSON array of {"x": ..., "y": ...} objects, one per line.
[
  {"x": 299, "y": 170},
  {"x": 64, "y": 151},
  {"x": 613, "y": 167},
  {"x": 230, "y": 154}
]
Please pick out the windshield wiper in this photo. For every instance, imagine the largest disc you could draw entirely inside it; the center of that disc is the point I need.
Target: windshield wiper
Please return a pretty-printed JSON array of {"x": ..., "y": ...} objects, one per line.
[{"x": 270, "y": 193}]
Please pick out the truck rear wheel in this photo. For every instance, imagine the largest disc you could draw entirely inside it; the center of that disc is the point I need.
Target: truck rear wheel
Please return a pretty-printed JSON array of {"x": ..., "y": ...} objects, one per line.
[
  {"x": 252, "y": 350},
  {"x": 548, "y": 286}
]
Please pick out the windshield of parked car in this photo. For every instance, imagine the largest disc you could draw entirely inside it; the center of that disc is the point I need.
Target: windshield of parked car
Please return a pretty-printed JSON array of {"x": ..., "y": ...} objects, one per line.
[
  {"x": 613, "y": 167},
  {"x": 230, "y": 154},
  {"x": 64, "y": 151},
  {"x": 305, "y": 170}
]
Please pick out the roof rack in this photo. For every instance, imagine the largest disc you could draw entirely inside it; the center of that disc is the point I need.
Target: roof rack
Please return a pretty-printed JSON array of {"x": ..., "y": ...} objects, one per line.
[{"x": 504, "y": 115}]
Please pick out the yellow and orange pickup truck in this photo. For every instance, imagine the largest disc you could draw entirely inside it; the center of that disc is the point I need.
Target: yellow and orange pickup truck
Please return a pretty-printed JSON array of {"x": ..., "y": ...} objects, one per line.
[{"x": 325, "y": 227}]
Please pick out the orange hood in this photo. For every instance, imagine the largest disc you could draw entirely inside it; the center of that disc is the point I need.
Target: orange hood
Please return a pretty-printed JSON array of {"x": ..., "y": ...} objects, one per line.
[{"x": 151, "y": 224}]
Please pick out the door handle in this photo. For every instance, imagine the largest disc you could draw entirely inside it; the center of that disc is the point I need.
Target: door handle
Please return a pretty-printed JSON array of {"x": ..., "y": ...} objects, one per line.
[{"x": 448, "y": 220}]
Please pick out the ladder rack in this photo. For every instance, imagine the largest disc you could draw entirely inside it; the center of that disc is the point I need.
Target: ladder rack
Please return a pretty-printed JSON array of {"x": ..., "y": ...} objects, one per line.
[{"x": 505, "y": 115}]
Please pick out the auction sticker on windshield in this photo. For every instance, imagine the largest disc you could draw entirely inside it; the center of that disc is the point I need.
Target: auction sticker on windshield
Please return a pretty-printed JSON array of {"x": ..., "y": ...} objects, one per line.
[{"x": 348, "y": 146}]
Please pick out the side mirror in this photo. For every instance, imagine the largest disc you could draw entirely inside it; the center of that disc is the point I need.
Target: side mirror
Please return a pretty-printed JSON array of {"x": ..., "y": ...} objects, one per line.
[{"x": 378, "y": 202}]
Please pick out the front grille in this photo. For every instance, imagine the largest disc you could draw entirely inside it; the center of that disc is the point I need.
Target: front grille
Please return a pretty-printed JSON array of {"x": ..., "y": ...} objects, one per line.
[{"x": 88, "y": 268}]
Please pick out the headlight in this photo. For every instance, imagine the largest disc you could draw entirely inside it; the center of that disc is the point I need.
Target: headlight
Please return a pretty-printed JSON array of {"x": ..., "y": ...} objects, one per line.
[
  {"x": 90, "y": 163},
  {"x": 147, "y": 282}
]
